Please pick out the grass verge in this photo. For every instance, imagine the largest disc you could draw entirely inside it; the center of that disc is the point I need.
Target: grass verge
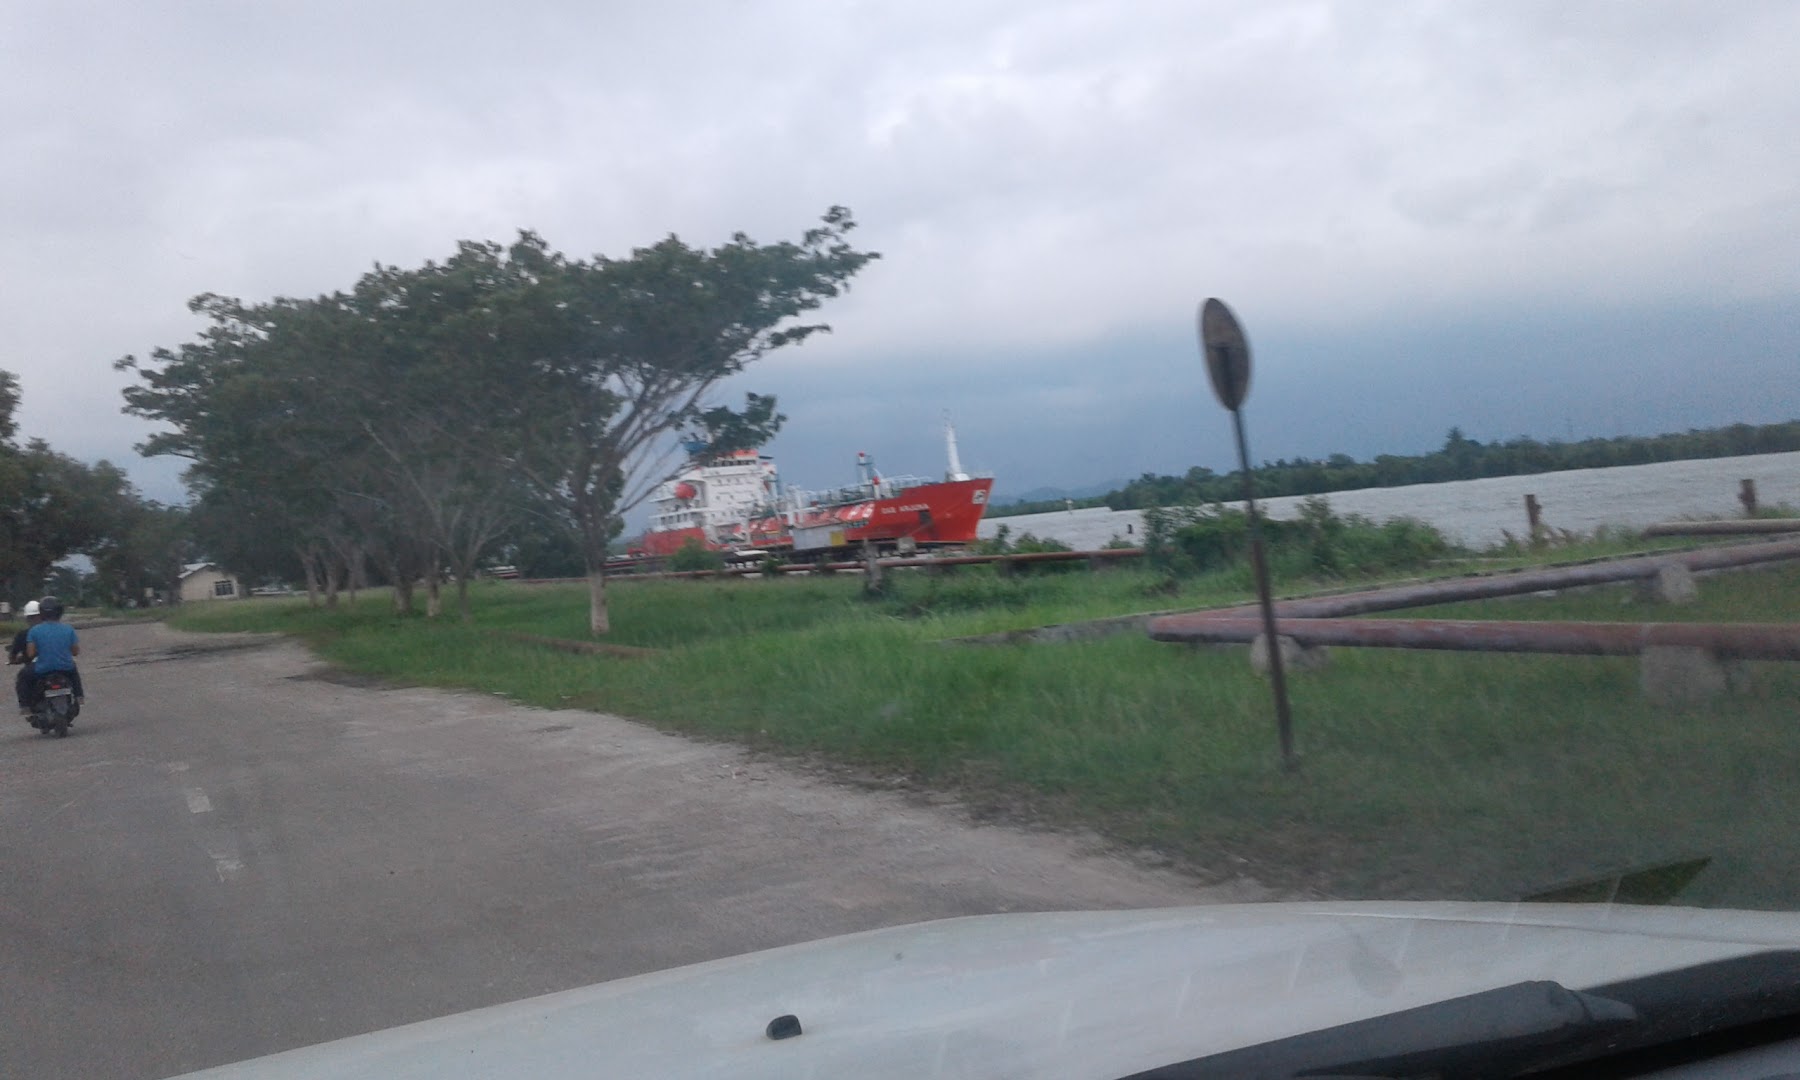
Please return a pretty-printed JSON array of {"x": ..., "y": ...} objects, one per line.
[{"x": 1426, "y": 774}]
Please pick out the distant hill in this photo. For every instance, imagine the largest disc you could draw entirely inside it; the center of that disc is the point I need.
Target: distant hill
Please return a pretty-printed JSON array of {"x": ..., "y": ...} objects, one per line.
[{"x": 1053, "y": 494}]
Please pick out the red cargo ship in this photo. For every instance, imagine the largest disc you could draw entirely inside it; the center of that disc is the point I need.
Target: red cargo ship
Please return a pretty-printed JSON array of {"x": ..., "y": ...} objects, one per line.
[{"x": 736, "y": 503}]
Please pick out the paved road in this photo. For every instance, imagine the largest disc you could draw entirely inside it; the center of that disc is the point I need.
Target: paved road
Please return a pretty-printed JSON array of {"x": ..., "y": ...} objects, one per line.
[{"x": 235, "y": 854}]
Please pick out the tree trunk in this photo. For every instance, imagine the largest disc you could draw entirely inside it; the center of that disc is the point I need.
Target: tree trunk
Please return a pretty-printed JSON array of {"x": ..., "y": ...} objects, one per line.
[
  {"x": 434, "y": 593},
  {"x": 462, "y": 598},
  {"x": 340, "y": 556},
  {"x": 871, "y": 570},
  {"x": 399, "y": 578},
  {"x": 355, "y": 578},
  {"x": 308, "y": 565},
  {"x": 595, "y": 532},
  {"x": 599, "y": 622}
]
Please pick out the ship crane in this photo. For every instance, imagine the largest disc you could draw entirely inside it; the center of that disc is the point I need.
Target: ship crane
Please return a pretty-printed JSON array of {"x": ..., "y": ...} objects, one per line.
[{"x": 956, "y": 469}]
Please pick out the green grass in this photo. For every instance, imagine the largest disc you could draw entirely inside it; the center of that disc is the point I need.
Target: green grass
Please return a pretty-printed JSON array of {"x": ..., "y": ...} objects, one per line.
[{"x": 1426, "y": 774}]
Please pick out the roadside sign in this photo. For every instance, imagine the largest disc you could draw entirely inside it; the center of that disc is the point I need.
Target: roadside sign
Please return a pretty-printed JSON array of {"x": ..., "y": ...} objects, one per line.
[{"x": 1227, "y": 353}]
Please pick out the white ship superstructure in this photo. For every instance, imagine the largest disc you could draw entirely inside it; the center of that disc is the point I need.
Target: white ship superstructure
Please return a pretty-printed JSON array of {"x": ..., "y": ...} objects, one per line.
[{"x": 715, "y": 496}]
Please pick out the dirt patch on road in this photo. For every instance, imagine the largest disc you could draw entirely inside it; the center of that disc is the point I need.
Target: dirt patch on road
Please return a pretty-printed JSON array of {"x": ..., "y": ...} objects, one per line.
[
  {"x": 161, "y": 652},
  {"x": 340, "y": 677}
]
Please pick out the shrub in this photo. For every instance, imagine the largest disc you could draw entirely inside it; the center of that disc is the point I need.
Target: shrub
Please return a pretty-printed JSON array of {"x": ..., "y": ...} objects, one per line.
[
  {"x": 693, "y": 555},
  {"x": 981, "y": 589},
  {"x": 1184, "y": 540},
  {"x": 994, "y": 545},
  {"x": 1027, "y": 544}
]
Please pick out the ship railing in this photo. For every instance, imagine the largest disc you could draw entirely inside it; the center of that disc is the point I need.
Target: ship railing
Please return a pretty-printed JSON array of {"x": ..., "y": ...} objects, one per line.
[
  {"x": 894, "y": 485},
  {"x": 887, "y": 488}
]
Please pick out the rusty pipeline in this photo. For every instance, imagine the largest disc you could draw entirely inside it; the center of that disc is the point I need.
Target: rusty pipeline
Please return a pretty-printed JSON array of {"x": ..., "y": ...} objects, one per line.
[
  {"x": 1753, "y": 527},
  {"x": 1746, "y": 641},
  {"x": 1518, "y": 582}
]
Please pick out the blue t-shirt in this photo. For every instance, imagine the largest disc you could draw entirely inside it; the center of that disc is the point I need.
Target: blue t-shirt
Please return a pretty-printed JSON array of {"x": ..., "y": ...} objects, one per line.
[{"x": 55, "y": 643}]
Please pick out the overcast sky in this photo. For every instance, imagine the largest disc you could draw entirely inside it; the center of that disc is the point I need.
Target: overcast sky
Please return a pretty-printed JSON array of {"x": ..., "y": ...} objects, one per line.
[{"x": 1555, "y": 218}]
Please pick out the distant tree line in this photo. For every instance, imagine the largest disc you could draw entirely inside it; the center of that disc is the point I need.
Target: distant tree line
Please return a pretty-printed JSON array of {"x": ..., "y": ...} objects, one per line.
[
  {"x": 53, "y": 506},
  {"x": 509, "y": 402},
  {"x": 1460, "y": 458}
]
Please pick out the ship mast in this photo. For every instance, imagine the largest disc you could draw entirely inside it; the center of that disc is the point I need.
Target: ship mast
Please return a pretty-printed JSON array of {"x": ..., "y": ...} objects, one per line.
[{"x": 956, "y": 469}]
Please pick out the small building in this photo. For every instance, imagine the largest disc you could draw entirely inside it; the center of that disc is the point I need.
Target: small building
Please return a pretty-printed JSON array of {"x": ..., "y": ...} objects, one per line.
[{"x": 207, "y": 581}]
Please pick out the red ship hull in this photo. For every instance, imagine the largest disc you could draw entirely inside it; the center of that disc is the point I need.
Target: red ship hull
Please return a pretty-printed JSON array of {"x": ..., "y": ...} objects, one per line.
[
  {"x": 930, "y": 515},
  {"x": 668, "y": 542}
]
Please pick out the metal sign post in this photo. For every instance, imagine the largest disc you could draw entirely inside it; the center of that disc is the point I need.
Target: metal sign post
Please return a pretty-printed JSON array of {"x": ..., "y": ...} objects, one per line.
[{"x": 1227, "y": 354}]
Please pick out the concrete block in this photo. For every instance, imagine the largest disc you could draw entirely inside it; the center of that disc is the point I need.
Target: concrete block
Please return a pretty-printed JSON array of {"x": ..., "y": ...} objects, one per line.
[
  {"x": 1673, "y": 584},
  {"x": 1294, "y": 656},
  {"x": 1681, "y": 674}
]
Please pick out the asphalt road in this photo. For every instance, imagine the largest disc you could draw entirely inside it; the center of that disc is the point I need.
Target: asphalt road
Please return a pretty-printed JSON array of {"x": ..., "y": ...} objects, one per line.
[{"x": 236, "y": 853}]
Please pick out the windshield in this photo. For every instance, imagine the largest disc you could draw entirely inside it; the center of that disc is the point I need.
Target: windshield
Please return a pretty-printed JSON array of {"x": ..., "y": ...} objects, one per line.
[{"x": 522, "y": 499}]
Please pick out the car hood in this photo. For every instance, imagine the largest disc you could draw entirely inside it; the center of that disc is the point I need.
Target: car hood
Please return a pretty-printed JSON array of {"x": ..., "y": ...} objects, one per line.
[{"x": 1066, "y": 995}]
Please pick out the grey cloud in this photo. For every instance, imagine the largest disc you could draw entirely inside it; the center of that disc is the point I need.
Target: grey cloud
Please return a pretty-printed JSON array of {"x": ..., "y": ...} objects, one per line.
[
  {"x": 1496, "y": 199},
  {"x": 1046, "y": 180}
]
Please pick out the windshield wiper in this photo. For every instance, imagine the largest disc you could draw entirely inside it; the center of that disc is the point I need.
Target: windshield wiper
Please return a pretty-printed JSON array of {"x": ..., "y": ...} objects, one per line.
[
  {"x": 1529, "y": 1027},
  {"x": 1495, "y": 1033}
]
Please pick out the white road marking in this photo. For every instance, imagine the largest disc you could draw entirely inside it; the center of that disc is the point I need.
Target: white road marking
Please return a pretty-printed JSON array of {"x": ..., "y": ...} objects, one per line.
[
  {"x": 198, "y": 803},
  {"x": 226, "y": 861}
]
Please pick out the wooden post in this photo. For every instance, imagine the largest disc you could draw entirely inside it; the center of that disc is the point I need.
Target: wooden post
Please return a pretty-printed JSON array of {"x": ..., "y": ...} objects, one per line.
[
  {"x": 1534, "y": 515},
  {"x": 1747, "y": 496},
  {"x": 871, "y": 569}
]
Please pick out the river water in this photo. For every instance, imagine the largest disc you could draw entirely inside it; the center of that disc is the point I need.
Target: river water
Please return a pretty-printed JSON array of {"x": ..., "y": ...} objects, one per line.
[{"x": 1479, "y": 513}]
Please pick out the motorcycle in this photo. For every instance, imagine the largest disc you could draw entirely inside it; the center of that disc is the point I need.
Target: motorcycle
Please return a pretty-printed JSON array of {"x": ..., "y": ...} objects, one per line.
[{"x": 55, "y": 708}]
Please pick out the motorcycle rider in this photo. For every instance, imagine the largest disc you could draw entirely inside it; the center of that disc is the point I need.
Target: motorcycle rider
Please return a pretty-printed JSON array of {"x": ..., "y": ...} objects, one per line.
[
  {"x": 51, "y": 646},
  {"x": 16, "y": 655}
]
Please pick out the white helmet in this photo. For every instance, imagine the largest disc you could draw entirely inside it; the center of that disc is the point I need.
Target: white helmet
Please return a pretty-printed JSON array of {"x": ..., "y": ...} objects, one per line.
[{"x": 31, "y": 608}]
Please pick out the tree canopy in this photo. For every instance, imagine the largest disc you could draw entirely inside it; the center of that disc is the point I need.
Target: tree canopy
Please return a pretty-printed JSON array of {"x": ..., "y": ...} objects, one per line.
[
  {"x": 426, "y": 417},
  {"x": 53, "y": 506}
]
